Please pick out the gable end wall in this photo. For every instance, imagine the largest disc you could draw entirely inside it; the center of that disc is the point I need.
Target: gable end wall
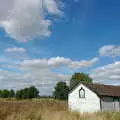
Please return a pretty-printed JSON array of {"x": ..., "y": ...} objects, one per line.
[{"x": 91, "y": 102}]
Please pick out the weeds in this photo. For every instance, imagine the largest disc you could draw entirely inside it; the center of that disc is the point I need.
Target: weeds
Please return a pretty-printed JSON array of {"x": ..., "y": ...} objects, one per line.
[{"x": 46, "y": 109}]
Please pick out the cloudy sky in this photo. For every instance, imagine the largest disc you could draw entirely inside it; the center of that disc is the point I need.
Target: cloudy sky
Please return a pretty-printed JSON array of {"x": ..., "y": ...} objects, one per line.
[{"x": 43, "y": 42}]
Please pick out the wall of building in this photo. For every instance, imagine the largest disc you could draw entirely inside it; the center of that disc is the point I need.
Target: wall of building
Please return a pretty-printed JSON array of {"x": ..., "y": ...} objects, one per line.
[
  {"x": 91, "y": 102},
  {"x": 110, "y": 104}
]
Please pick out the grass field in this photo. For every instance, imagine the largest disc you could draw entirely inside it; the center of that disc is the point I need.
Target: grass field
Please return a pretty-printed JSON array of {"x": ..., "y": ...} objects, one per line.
[{"x": 46, "y": 109}]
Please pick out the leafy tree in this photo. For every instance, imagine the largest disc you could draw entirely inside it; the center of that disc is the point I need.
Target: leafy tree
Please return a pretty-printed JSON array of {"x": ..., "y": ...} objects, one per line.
[
  {"x": 33, "y": 92},
  {"x": 0, "y": 93},
  {"x": 12, "y": 93},
  {"x": 19, "y": 94},
  {"x": 27, "y": 93},
  {"x": 5, "y": 93},
  {"x": 79, "y": 77},
  {"x": 61, "y": 91}
]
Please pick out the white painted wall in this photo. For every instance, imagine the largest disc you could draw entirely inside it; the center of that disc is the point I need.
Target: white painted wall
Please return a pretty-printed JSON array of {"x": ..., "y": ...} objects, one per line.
[
  {"x": 91, "y": 102},
  {"x": 110, "y": 104}
]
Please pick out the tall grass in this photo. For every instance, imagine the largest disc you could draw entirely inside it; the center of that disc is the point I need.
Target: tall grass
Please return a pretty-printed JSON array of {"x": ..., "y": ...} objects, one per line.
[{"x": 47, "y": 109}]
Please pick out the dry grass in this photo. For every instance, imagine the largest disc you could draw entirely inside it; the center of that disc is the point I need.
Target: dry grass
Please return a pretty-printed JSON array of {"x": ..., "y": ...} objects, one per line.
[{"x": 47, "y": 109}]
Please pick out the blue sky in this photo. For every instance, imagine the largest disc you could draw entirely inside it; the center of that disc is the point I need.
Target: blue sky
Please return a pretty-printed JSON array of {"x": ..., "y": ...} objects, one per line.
[{"x": 47, "y": 44}]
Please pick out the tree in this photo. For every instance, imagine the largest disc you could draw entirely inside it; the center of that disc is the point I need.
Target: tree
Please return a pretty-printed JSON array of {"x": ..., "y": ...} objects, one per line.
[
  {"x": 5, "y": 93},
  {"x": 12, "y": 93},
  {"x": 19, "y": 94},
  {"x": 0, "y": 93},
  {"x": 27, "y": 93},
  {"x": 79, "y": 78},
  {"x": 61, "y": 91},
  {"x": 33, "y": 92}
]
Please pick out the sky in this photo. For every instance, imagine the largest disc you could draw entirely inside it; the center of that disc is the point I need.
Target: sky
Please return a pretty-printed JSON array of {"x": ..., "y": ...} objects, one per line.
[{"x": 43, "y": 42}]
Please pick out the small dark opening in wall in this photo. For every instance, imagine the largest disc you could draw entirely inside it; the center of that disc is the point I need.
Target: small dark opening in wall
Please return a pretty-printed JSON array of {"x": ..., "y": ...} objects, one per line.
[{"x": 81, "y": 93}]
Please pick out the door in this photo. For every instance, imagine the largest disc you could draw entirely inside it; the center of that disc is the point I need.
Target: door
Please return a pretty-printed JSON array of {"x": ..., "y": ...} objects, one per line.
[{"x": 116, "y": 104}]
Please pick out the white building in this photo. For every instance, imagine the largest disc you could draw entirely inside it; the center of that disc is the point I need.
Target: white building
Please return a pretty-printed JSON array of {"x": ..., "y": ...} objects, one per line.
[{"x": 94, "y": 97}]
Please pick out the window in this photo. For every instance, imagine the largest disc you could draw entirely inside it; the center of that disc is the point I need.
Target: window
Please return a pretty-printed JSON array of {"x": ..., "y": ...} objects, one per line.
[{"x": 82, "y": 93}]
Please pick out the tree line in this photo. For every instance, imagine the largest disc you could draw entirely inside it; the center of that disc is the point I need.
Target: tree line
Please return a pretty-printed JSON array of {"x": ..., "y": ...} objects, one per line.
[
  {"x": 7, "y": 93},
  {"x": 26, "y": 93}
]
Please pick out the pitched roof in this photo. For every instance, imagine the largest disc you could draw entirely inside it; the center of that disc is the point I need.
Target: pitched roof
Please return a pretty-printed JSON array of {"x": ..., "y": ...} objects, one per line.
[{"x": 104, "y": 90}]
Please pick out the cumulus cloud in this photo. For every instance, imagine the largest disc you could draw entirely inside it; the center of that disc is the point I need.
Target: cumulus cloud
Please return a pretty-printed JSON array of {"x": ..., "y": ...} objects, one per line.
[
  {"x": 110, "y": 50},
  {"x": 16, "y": 50},
  {"x": 16, "y": 53},
  {"x": 26, "y": 20},
  {"x": 107, "y": 72},
  {"x": 52, "y": 6},
  {"x": 83, "y": 63},
  {"x": 38, "y": 63},
  {"x": 58, "y": 62}
]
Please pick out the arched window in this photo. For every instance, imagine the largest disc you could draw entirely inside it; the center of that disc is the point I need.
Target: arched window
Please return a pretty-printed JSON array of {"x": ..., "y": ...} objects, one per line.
[{"x": 81, "y": 93}]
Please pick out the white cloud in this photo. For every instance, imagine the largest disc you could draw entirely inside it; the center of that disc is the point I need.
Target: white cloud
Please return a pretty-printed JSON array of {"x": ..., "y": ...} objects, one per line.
[
  {"x": 52, "y": 7},
  {"x": 16, "y": 53},
  {"x": 26, "y": 20},
  {"x": 83, "y": 63},
  {"x": 107, "y": 72},
  {"x": 16, "y": 50},
  {"x": 110, "y": 50},
  {"x": 38, "y": 63},
  {"x": 58, "y": 62}
]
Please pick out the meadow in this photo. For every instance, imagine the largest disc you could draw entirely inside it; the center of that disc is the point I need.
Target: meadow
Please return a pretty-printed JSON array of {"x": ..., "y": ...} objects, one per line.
[{"x": 46, "y": 109}]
